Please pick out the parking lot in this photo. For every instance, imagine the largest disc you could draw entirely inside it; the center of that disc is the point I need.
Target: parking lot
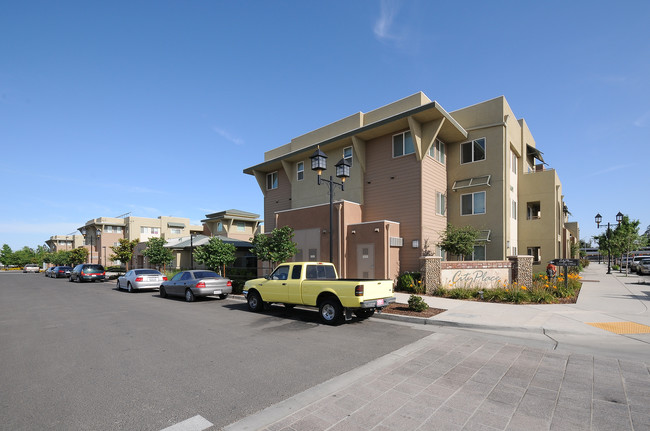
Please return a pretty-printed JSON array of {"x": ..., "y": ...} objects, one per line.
[{"x": 87, "y": 356}]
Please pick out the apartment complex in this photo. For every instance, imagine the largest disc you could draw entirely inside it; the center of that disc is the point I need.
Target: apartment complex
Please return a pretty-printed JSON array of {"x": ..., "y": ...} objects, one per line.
[
  {"x": 414, "y": 168},
  {"x": 64, "y": 242},
  {"x": 101, "y": 233}
]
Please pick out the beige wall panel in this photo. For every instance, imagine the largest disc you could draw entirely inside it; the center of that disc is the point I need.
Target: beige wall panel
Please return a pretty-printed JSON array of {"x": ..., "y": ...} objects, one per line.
[
  {"x": 393, "y": 192},
  {"x": 434, "y": 179},
  {"x": 410, "y": 102},
  {"x": 276, "y": 200},
  {"x": 332, "y": 130}
]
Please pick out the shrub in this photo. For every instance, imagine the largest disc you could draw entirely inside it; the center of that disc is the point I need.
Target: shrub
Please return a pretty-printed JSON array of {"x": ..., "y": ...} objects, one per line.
[
  {"x": 416, "y": 303},
  {"x": 494, "y": 295},
  {"x": 463, "y": 293},
  {"x": 410, "y": 282}
]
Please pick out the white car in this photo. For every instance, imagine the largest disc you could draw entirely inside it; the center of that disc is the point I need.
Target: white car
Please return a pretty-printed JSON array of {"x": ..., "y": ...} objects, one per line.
[
  {"x": 31, "y": 267},
  {"x": 635, "y": 260},
  {"x": 643, "y": 266},
  {"x": 138, "y": 279}
]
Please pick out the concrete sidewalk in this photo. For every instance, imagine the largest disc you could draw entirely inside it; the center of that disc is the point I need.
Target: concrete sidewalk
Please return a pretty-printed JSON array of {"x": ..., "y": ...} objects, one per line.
[{"x": 551, "y": 371}]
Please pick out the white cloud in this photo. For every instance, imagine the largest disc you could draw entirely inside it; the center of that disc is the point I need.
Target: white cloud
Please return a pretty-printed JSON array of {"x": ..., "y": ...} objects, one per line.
[
  {"x": 226, "y": 135},
  {"x": 384, "y": 26},
  {"x": 46, "y": 229},
  {"x": 610, "y": 169},
  {"x": 643, "y": 120}
]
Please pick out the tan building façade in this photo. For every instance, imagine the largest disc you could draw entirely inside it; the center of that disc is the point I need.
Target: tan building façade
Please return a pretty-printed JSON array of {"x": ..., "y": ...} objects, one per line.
[{"x": 414, "y": 168}]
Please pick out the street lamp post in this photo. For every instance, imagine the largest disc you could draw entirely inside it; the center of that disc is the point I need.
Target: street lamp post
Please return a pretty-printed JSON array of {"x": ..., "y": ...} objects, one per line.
[
  {"x": 319, "y": 164},
  {"x": 599, "y": 219}
]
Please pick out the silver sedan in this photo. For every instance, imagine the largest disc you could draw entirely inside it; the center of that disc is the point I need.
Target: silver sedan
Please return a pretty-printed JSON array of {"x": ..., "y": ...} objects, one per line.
[
  {"x": 138, "y": 279},
  {"x": 196, "y": 283}
]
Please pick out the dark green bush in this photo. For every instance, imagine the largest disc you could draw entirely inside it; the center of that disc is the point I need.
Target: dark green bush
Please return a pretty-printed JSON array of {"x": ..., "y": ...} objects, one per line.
[{"x": 416, "y": 303}]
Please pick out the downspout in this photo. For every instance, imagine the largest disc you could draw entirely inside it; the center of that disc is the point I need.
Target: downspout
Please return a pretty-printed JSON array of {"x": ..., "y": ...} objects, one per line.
[
  {"x": 387, "y": 253},
  {"x": 342, "y": 271}
]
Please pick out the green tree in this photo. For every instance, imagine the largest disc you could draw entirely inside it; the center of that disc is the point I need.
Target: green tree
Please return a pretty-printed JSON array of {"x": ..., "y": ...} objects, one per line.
[
  {"x": 215, "y": 255},
  {"x": 6, "y": 255},
  {"x": 459, "y": 241},
  {"x": 24, "y": 256},
  {"x": 62, "y": 257},
  {"x": 156, "y": 252},
  {"x": 77, "y": 256},
  {"x": 626, "y": 236},
  {"x": 124, "y": 251},
  {"x": 276, "y": 247}
]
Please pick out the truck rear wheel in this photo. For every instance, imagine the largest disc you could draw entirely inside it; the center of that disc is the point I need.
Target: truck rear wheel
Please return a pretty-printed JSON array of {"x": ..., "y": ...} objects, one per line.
[{"x": 331, "y": 311}]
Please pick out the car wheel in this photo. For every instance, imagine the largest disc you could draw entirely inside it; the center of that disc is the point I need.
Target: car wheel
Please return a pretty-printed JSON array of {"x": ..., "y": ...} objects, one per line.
[
  {"x": 223, "y": 296},
  {"x": 254, "y": 301},
  {"x": 364, "y": 313},
  {"x": 118, "y": 285},
  {"x": 189, "y": 296},
  {"x": 129, "y": 288},
  {"x": 70, "y": 279},
  {"x": 162, "y": 292},
  {"x": 330, "y": 311}
]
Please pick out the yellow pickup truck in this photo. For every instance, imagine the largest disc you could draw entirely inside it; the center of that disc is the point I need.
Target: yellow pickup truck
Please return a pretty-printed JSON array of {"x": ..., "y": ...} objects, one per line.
[{"x": 316, "y": 284}]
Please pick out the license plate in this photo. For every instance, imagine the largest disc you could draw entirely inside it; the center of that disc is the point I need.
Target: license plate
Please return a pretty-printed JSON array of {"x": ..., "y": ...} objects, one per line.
[
  {"x": 217, "y": 292},
  {"x": 380, "y": 302}
]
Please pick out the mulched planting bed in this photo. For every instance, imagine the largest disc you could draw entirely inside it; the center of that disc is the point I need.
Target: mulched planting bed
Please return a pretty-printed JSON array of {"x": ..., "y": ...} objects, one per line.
[{"x": 403, "y": 309}]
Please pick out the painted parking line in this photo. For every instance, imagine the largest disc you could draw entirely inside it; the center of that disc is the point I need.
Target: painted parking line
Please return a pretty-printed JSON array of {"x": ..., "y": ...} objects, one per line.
[{"x": 197, "y": 423}]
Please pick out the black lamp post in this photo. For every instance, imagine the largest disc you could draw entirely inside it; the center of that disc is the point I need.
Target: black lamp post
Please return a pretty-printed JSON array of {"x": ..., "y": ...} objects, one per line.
[
  {"x": 599, "y": 219},
  {"x": 319, "y": 164}
]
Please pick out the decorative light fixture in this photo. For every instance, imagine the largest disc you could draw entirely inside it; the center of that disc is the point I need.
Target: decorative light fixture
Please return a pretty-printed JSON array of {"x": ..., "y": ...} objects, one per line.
[
  {"x": 319, "y": 164},
  {"x": 599, "y": 219}
]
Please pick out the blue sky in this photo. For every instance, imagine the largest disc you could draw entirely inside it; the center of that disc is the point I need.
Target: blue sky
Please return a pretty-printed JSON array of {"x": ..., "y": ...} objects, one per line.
[{"x": 156, "y": 107}]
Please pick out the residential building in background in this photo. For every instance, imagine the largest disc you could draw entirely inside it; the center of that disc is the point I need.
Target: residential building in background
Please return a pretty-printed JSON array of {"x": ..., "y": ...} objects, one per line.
[
  {"x": 414, "y": 168},
  {"x": 65, "y": 242},
  {"x": 101, "y": 233}
]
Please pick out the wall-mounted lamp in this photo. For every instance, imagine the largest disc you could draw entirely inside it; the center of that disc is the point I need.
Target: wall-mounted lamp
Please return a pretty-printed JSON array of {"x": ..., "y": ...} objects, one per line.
[
  {"x": 416, "y": 243},
  {"x": 353, "y": 232},
  {"x": 377, "y": 229}
]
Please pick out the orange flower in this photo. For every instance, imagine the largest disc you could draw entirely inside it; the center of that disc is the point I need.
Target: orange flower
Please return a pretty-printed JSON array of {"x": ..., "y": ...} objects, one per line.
[{"x": 523, "y": 288}]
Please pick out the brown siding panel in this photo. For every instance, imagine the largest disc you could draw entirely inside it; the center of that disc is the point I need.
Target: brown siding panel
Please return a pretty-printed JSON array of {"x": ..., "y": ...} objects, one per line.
[{"x": 276, "y": 200}]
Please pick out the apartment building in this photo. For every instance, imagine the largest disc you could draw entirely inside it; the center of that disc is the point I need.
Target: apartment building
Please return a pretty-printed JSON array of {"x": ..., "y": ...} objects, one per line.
[
  {"x": 414, "y": 167},
  {"x": 64, "y": 242},
  {"x": 101, "y": 233}
]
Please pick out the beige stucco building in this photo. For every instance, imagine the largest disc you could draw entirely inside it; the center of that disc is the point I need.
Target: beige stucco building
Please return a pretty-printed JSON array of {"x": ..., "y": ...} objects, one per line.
[
  {"x": 414, "y": 168},
  {"x": 64, "y": 242},
  {"x": 101, "y": 233}
]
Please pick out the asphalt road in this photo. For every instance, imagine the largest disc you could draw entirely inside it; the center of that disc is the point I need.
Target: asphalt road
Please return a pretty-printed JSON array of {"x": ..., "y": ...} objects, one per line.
[{"x": 86, "y": 356}]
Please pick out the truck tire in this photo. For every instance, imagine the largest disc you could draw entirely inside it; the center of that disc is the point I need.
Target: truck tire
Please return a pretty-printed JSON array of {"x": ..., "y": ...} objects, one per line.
[
  {"x": 331, "y": 311},
  {"x": 254, "y": 301},
  {"x": 364, "y": 313}
]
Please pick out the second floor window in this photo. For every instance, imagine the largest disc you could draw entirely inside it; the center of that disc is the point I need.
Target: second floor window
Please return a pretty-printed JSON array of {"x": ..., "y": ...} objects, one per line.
[
  {"x": 300, "y": 169},
  {"x": 514, "y": 209},
  {"x": 472, "y": 151},
  {"x": 272, "y": 181},
  {"x": 437, "y": 151},
  {"x": 533, "y": 211},
  {"x": 403, "y": 144},
  {"x": 472, "y": 203},
  {"x": 347, "y": 155},
  {"x": 241, "y": 226}
]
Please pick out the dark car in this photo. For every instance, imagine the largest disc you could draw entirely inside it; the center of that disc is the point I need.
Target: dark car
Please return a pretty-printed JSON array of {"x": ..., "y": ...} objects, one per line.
[
  {"x": 196, "y": 283},
  {"x": 61, "y": 271},
  {"x": 87, "y": 272}
]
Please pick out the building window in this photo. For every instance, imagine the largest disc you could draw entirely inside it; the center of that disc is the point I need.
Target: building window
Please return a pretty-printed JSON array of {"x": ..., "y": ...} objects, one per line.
[
  {"x": 272, "y": 181},
  {"x": 155, "y": 230},
  {"x": 241, "y": 226},
  {"x": 219, "y": 227},
  {"x": 108, "y": 229},
  {"x": 347, "y": 155},
  {"x": 479, "y": 252},
  {"x": 472, "y": 203},
  {"x": 403, "y": 144},
  {"x": 472, "y": 151},
  {"x": 533, "y": 211},
  {"x": 144, "y": 229},
  {"x": 440, "y": 203},
  {"x": 514, "y": 209},
  {"x": 175, "y": 231},
  {"x": 536, "y": 253},
  {"x": 513, "y": 162},
  {"x": 300, "y": 169},
  {"x": 437, "y": 151},
  {"x": 514, "y": 251}
]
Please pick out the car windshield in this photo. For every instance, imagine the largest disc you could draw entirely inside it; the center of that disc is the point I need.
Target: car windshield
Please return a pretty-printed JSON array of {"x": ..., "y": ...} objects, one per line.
[
  {"x": 320, "y": 272},
  {"x": 146, "y": 272},
  {"x": 206, "y": 274}
]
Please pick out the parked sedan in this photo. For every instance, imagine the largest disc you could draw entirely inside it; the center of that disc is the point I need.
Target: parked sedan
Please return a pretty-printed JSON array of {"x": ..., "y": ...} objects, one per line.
[
  {"x": 196, "y": 283},
  {"x": 138, "y": 279},
  {"x": 643, "y": 266},
  {"x": 60, "y": 271},
  {"x": 87, "y": 272},
  {"x": 31, "y": 267},
  {"x": 48, "y": 271}
]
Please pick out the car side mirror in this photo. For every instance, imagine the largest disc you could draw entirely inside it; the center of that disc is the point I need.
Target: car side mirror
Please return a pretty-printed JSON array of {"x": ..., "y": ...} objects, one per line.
[{"x": 268, "y": 276}]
